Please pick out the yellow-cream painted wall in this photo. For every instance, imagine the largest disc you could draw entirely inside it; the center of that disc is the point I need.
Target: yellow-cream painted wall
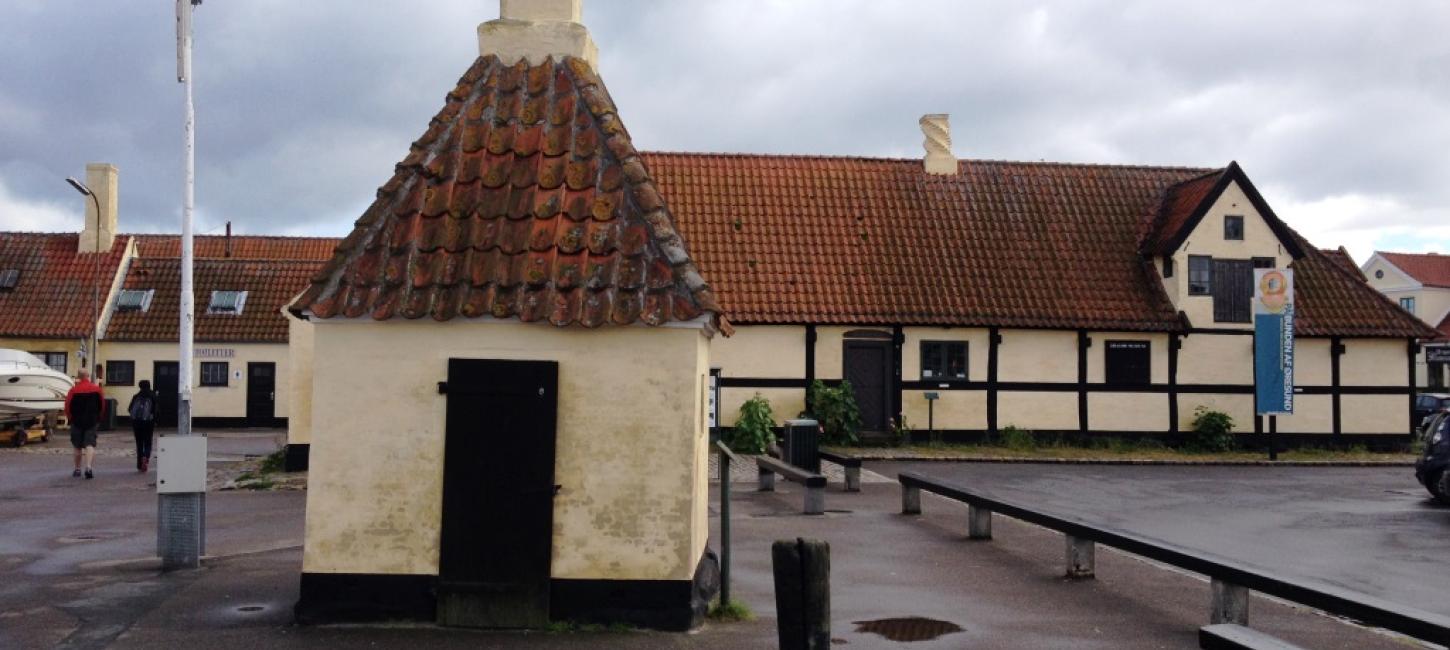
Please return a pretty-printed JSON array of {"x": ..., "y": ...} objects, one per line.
[
  {"x": 771, "y": 351},
  {"x": 785, "y": 403},
  {"x": 1127, "y": 411},
  {"x": 299, "y": 364},
  {"x": 630, "y": 423},
  {"x": 954, "y": 409},
  {"x": 1097, "y": 355},
  {"x": 1374, "y": 362},
  {"x": 1037, "y": 355},
  {"x": 1375, "y": 413},
  {"x": 1216, "y": 359},
  {"x": 1312, "y": 363},
  {"x": 228, "y": 401},
  {"x": 1036, "y": 410},
  {"x": 1312, "y": 414},
  {"x": 1238, "y": 407},
  {"x": 1207, "y": 239}
]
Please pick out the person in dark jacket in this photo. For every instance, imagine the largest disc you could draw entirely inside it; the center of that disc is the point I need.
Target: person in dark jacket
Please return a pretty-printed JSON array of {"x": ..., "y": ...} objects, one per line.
[
  {"x": 85, "y": 405},
  {"x": 143, "y": 424}
]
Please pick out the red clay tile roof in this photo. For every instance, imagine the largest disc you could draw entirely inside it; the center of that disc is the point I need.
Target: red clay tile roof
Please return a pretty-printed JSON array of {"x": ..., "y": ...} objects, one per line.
[
  {"x": 1345, "y": 261},
  {"x": 56, "y": 289},
  {"x": 1444, "y": 327},
  {"x": 827, "y": 240},
  {"x": 1176, "y": 211},
  {"x": 794, "y": 239},
  {"x": 524, "y": 198},
  {"x": 1331, "y": 300},
  {"x": 1429, "y": 269},
  {"x": 246, "y": 247},
  {"x": 269, "y": 285}
]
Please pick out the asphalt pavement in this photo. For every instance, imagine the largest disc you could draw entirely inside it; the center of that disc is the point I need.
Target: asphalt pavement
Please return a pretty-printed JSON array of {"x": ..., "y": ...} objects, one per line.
[{"x": 1371, "y": 530}]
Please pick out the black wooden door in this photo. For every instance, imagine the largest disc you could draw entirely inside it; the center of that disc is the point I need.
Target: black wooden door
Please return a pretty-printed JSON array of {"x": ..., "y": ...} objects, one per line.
[
  {"x": 261, "y": 394},
  {"x": 498, "y": 493},
  {"x": 164, "y": 379},
  {"x": 1233, "y": 290},
  {"x": 866, "y": 366}
]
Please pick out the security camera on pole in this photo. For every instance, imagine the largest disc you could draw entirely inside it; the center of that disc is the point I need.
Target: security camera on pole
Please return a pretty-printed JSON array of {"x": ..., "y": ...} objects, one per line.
[{"x": 181, "y": 458}]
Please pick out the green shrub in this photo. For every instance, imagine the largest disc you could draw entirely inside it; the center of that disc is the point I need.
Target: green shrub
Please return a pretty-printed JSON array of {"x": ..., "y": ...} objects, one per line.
[
  {"x": 1212, "y": 431},
  {"x": 1013, "y": 437},
  {"x": 835, "y": 409},
  {"x": 754, "y": 428}
]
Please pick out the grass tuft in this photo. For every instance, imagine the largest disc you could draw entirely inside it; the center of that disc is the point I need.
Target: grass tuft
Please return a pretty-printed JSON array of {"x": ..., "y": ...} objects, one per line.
[{"x": 731, "y": 612}]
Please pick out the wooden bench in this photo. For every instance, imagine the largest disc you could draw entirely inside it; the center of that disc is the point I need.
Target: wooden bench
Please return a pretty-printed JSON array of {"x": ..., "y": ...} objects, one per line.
[
  {"x": 815, "y": 484},
  {"x": 1227, "y": 636},
  {"x": 851, "y": 465}
]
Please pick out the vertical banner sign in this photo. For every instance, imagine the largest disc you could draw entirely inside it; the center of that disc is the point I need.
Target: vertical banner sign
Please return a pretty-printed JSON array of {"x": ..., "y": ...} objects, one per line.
[{"x": 1274, "y": 341}]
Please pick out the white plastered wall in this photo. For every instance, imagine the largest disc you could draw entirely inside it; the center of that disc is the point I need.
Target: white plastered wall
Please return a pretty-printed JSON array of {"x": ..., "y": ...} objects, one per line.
[
  {"x": 228, "y": 401},
  {"x": 631, "y": 440}
]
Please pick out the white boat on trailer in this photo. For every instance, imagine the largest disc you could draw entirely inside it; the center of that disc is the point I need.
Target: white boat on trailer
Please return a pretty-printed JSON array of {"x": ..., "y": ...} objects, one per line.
[{"x": 29, "y": 388}]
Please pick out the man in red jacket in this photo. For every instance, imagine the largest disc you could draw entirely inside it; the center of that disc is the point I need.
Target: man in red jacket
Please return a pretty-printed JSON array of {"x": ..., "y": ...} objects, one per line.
[{"x": 85, "y": 405}]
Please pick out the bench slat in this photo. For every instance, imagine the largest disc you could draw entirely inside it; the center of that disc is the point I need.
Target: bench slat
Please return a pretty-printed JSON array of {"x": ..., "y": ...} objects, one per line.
[{"x": 1227, "y": 636}]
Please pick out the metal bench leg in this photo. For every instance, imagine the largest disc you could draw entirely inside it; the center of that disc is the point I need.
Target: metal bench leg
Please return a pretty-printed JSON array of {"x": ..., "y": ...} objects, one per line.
[
  {"x": 853, "y": 479},
  {"x": 979, "y": 523},
  {"x": 910, "y": 500},
  {"x": 1230, "y": 604},
  {"x": 1080, "y": 558},
  {"x": 815, "y": 500},
  {"x": 767, "y": 480}
]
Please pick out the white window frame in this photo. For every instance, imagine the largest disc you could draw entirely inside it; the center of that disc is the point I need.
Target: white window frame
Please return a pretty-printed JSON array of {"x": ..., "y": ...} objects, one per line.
[
  {"x": 144, "y": 305},
  {"x": 238, "y": 305}
]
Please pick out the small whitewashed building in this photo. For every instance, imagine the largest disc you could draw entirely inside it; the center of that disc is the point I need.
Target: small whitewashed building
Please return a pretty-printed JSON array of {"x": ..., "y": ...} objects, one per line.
[
  {"x": 510, "y": 364},
  {"x": 1420, "y": 284}
]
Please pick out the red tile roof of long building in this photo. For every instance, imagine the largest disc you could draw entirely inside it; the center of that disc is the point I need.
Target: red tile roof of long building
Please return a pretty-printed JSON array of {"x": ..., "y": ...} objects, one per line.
[
  {"x": 56, "y": 285},
  {"x": 246, "y": 247}
]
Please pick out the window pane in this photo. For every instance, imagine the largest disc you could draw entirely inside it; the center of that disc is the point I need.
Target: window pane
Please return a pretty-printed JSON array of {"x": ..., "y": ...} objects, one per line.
[
  {"x": 957, "y": 360},
  {"x": 1263, "y": 262},
  {"x": 1233, "y": 227},
  {"x": 1200, "y": 275},
  {"x": 1408, "y": 304},
  {"x": 214, "y": 373},
  {"x": 121, "y": 373},
  {"x": 931, "y": 366}
]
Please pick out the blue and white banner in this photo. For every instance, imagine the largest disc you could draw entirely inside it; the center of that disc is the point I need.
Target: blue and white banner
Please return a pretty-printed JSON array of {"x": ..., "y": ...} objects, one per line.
[{"x": 1273, "y": 341}]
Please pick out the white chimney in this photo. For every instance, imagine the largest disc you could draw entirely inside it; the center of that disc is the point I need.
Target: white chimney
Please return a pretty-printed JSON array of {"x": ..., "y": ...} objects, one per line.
[
  {"x": 100, "y": 230},
  {"x": 938, "y": 144},
  {"x": 536, "y": 30}
]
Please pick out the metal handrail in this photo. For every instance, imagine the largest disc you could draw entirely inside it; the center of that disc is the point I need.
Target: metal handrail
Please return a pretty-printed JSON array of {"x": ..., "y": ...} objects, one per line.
[{"x": 1363, "y": 608}]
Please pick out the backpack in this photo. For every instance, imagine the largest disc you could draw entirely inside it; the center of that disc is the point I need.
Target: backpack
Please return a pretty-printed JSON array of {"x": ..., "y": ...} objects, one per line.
[{"x": 141, "y": 408}]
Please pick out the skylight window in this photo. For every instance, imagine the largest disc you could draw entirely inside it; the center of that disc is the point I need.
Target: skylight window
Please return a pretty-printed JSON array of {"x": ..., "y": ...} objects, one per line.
[
  {"x": 134, "y": 300},
  {"x": 227, "y": 302},
  {"x": 8, "y": 279}
]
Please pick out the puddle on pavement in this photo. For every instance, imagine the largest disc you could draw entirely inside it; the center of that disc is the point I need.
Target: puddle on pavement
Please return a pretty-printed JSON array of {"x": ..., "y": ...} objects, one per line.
[
  {"x": 908, "y": 628},
  {"x": 248, "y": 609},
  {"x": 87, "y": 537}
]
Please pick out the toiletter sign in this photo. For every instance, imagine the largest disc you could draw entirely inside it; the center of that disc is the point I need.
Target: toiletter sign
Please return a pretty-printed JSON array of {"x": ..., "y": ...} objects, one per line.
[{"x": 1273, "y": 341}]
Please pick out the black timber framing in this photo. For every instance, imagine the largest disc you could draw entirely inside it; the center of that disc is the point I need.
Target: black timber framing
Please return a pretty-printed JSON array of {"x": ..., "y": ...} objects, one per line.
[
  {"x": 898, "y": 341},
  {"x": 1083, "y": 343},
  {"x": 810, "y": 363},
  {"x": 994, "y": 340},
  {"x": 1174, "y": 344},
  {"x": 1072, "y": 387},
  {"x": 1412, "y": 349},
  {"x": 1336, "y": 350}
]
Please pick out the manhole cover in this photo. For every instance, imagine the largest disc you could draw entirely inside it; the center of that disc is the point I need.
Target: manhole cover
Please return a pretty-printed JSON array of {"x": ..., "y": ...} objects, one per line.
[{"x": 908, "y": 628}]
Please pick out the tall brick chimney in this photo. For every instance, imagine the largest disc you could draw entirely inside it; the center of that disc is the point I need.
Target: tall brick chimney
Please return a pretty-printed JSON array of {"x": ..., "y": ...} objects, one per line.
[
  {"x": 100, "y": 230},
  {"x": 535, "y": 30}
]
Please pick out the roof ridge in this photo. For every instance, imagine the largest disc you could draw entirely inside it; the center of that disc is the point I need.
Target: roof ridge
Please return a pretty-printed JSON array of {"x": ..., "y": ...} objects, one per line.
[{"x": 988, "y": 161}]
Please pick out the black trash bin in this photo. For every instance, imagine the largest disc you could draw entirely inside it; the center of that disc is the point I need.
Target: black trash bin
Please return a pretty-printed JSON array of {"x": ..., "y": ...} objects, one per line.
[
  {"x": 801, "y": 446},
  {"x": 108, "y": 421}
]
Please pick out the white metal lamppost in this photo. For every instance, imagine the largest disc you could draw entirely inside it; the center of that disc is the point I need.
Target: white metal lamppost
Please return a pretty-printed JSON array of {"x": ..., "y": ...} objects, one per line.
[{"x": 94, "y": 353}]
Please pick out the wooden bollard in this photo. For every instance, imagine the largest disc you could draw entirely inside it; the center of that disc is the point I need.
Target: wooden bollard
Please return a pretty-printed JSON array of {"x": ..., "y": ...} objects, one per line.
[{"x": 802, "y": 593}]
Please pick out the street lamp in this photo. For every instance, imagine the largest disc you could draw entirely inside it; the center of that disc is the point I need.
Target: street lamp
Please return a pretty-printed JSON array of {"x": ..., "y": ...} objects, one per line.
[{"x": 95, "y": 352}]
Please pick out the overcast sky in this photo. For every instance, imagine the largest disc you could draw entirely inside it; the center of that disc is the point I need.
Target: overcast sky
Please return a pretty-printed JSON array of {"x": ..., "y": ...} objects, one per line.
[{"x": 1339, "y": 111}]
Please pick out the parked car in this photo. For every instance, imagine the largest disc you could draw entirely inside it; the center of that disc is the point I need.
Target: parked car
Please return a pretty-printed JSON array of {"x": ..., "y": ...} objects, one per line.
[
  {"x": 1427, "y": 404},
  {"x": 1431, "y": 465}
]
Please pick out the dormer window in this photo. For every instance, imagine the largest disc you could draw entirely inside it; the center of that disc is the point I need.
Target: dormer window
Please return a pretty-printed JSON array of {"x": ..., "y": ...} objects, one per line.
[
  {"x": 134, "y": 300},
  {"x": 227, "y": 302},
  {"x": 8, "y": 279},
  {"x": 1233, "y": 227}
]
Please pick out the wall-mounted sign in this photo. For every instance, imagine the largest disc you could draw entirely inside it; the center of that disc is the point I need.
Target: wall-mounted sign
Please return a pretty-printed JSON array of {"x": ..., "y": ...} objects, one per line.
[
  {"x": 713, "y": 397},
  {"x": 215, "y": 353},
  {"x": 1273, "y": 341},
  {"x": 1438, "y": 354}
]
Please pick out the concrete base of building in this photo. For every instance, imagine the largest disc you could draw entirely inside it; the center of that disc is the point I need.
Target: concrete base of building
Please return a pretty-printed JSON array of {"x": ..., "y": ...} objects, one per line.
[
  {"x": 1388, "y": 441},
  {"x": 671, "y": 605}
]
